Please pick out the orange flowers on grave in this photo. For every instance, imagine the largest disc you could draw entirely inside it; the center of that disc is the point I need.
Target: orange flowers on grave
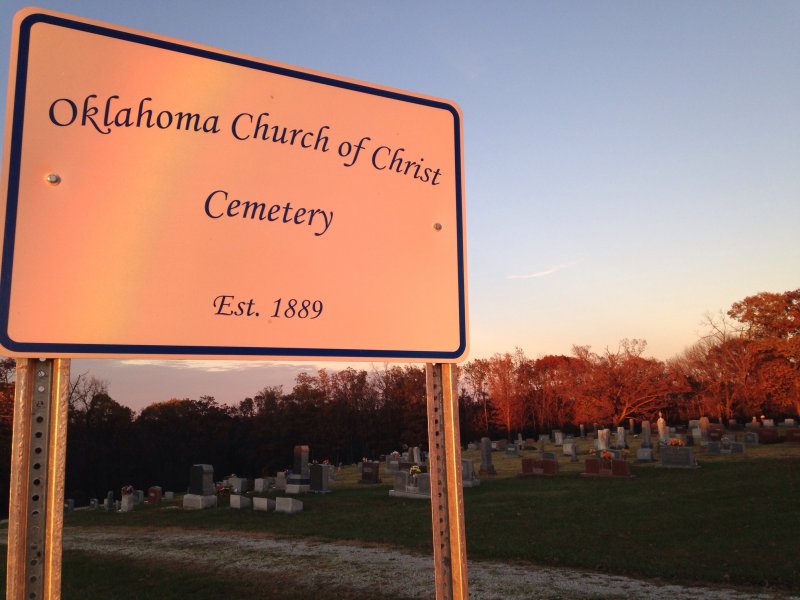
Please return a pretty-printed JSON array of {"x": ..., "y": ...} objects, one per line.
[
  {"x": 414, "y": 470},
  {"x": 606, "y": 455},
  {"x": 676, "y": 442}
]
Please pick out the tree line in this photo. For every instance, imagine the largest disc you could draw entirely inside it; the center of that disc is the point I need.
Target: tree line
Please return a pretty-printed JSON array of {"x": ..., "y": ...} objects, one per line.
[{"x": 747, "y": 364}]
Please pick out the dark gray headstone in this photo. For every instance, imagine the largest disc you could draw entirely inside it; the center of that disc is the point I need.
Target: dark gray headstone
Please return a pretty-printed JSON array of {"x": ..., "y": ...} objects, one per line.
[
  {"x": 680, "y": 457},
  {"x": 319, "y": 478},
  {"x": 300, "y": 466},
  {"x": 201, "y": 480},
  {"x": 487, "y": 468},
  {"x": 647, "y": 440}
]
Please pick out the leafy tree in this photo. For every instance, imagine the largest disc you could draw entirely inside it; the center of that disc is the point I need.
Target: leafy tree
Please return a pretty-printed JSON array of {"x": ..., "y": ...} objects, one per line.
[{"x": 618, "y": 385}]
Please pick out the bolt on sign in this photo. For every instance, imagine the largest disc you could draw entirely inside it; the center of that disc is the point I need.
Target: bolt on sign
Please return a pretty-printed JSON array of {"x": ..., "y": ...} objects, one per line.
[{"x": 166, "y": 199}]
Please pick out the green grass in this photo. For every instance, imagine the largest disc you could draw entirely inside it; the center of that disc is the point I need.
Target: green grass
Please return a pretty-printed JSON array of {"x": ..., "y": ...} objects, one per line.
[{"x": 733, "y": 521}]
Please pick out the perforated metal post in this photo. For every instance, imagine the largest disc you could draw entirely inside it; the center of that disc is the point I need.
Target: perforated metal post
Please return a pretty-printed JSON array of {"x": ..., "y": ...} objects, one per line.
[
  {"x": 38, "y": 457},
  {"x": 447, "y": 499}
]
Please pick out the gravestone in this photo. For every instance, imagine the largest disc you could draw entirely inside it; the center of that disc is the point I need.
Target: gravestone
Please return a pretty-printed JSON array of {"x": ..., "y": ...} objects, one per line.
[
  {"x": 512, "y": 451},
  {"x": 319, "y": 479},
  {"x": 751, "y": 438},
  {"x": 240, "y": 501},
  {"x": 128, "y": 502},
  {"x": 411, "y": 486},
  {"x": 370, "y": 472},
  {"x": 788, "y": 423},
  {"x": 260, "y": 485},
  {"x": 549, "y": 456},
  {"x": 154, "y": 494},
  {"x": 392, "y": 463},
  {"x": 568, "y": 448},
  {"x": 169, "y": 495},
  {"x": 331, "y": 472},
  {"x": 468, "y": 478},
  {"x": 558, "y": 437},
  {"x": 238, "y": 485},
  {"x": 416, "y": 456},
  {"x": 288, "y": 505},
  {"x": 621, "y": 443},
  {"x": 663, "y": 432},
  {"x": 472, "y": 446},
  {"x": 768, "y": 436},
  {"x": 202, "y": 492},
  {"x": 620, "y": 468},
  {"x": 69, "y": 506},
  {"x": 647, "y": 440},
  {"x": 487, "y": 468},
  {"x": 201, "y": 480},
  {"x": 604, "y": 439},
  {"x": 644, "y": 454},
  {"x": 677, "y": 457},
  {"x": 768, "y": 422},
  {"x": 280, "y": 480},
  {"x": 714, "y": 448},
  {"x": 138, "y": 497},
  {"x": 501, "y": 445},
  {"x": 300, "y": 477},
  {"x": 705, "y": 426},
  {"x": 424, "y": 484},
  {"x": 539, "y": 466},
  {"x": 737, "y": 448},
  {"x": 263, "y": 504},
  {"x": 697, "y": 435},
  {"x": 583, "y": 431},
  {"x": 94, "y": 504}
]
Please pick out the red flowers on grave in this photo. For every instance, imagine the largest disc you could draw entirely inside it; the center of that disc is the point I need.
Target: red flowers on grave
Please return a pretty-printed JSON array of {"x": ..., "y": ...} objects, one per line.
[
  {"x": 606, "y": 455},
  {"x": 676, "y": 442},
  {"x": 127, "y": 490}
]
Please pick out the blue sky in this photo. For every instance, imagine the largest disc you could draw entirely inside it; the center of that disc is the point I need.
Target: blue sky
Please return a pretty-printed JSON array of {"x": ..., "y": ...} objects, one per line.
[{"x": 630, "y": 166}]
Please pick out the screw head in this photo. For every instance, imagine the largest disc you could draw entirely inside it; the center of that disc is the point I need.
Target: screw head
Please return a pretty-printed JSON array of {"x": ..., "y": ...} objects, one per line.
[
  {"x": 437, "y": 226},
  {"x": 54, "y": 179}
]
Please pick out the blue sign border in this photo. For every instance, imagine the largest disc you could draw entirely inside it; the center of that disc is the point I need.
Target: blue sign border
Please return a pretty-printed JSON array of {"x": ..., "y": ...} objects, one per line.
[{"x": 78, "y": 350}]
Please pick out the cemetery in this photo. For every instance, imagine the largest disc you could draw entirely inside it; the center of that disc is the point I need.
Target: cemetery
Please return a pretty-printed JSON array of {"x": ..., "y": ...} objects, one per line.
[{"x": 749, "y": 484}]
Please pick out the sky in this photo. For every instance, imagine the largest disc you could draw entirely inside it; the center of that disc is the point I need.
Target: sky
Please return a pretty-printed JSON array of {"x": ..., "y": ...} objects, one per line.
[{"x": 630, "y": 167}]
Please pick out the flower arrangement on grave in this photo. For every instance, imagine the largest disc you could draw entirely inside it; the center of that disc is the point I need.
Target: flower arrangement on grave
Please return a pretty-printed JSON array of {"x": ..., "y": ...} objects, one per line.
[
  {"x": 606, "y": 455},
  {"x": 676, "y": 442},
  {"x": 415, "y": 470},
  {"x": 127, "y": 490},
  {"x": 395, "y": 454},
  {"x": 326, "y": 462}
]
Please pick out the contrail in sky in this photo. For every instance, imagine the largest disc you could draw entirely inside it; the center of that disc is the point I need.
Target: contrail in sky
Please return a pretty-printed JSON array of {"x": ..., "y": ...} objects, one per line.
[{"x": 547, "y": 271}]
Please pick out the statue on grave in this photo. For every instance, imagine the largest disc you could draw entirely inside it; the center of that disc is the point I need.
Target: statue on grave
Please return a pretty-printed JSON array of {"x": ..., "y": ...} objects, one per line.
[{"x": 662, "y": 429}]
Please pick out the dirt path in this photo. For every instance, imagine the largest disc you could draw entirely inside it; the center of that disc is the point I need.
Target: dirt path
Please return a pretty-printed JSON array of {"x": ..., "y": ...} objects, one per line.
[{"x": 390, "y": 571}]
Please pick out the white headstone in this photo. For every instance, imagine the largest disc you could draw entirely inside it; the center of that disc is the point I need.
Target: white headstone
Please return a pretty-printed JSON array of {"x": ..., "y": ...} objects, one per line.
[
  {"x": 240, "y": 501},
  {"x": 288, "y": 505}
]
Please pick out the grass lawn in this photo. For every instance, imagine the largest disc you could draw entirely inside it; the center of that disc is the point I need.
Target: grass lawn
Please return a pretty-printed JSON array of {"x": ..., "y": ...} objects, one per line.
[{"x": 734, "y": 521}]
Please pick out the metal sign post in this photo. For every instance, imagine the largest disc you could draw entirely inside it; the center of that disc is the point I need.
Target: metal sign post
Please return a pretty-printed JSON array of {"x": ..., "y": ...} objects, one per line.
[
  {"x": 38, "y": 457},
  {"x": 447, "y": 499}
]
